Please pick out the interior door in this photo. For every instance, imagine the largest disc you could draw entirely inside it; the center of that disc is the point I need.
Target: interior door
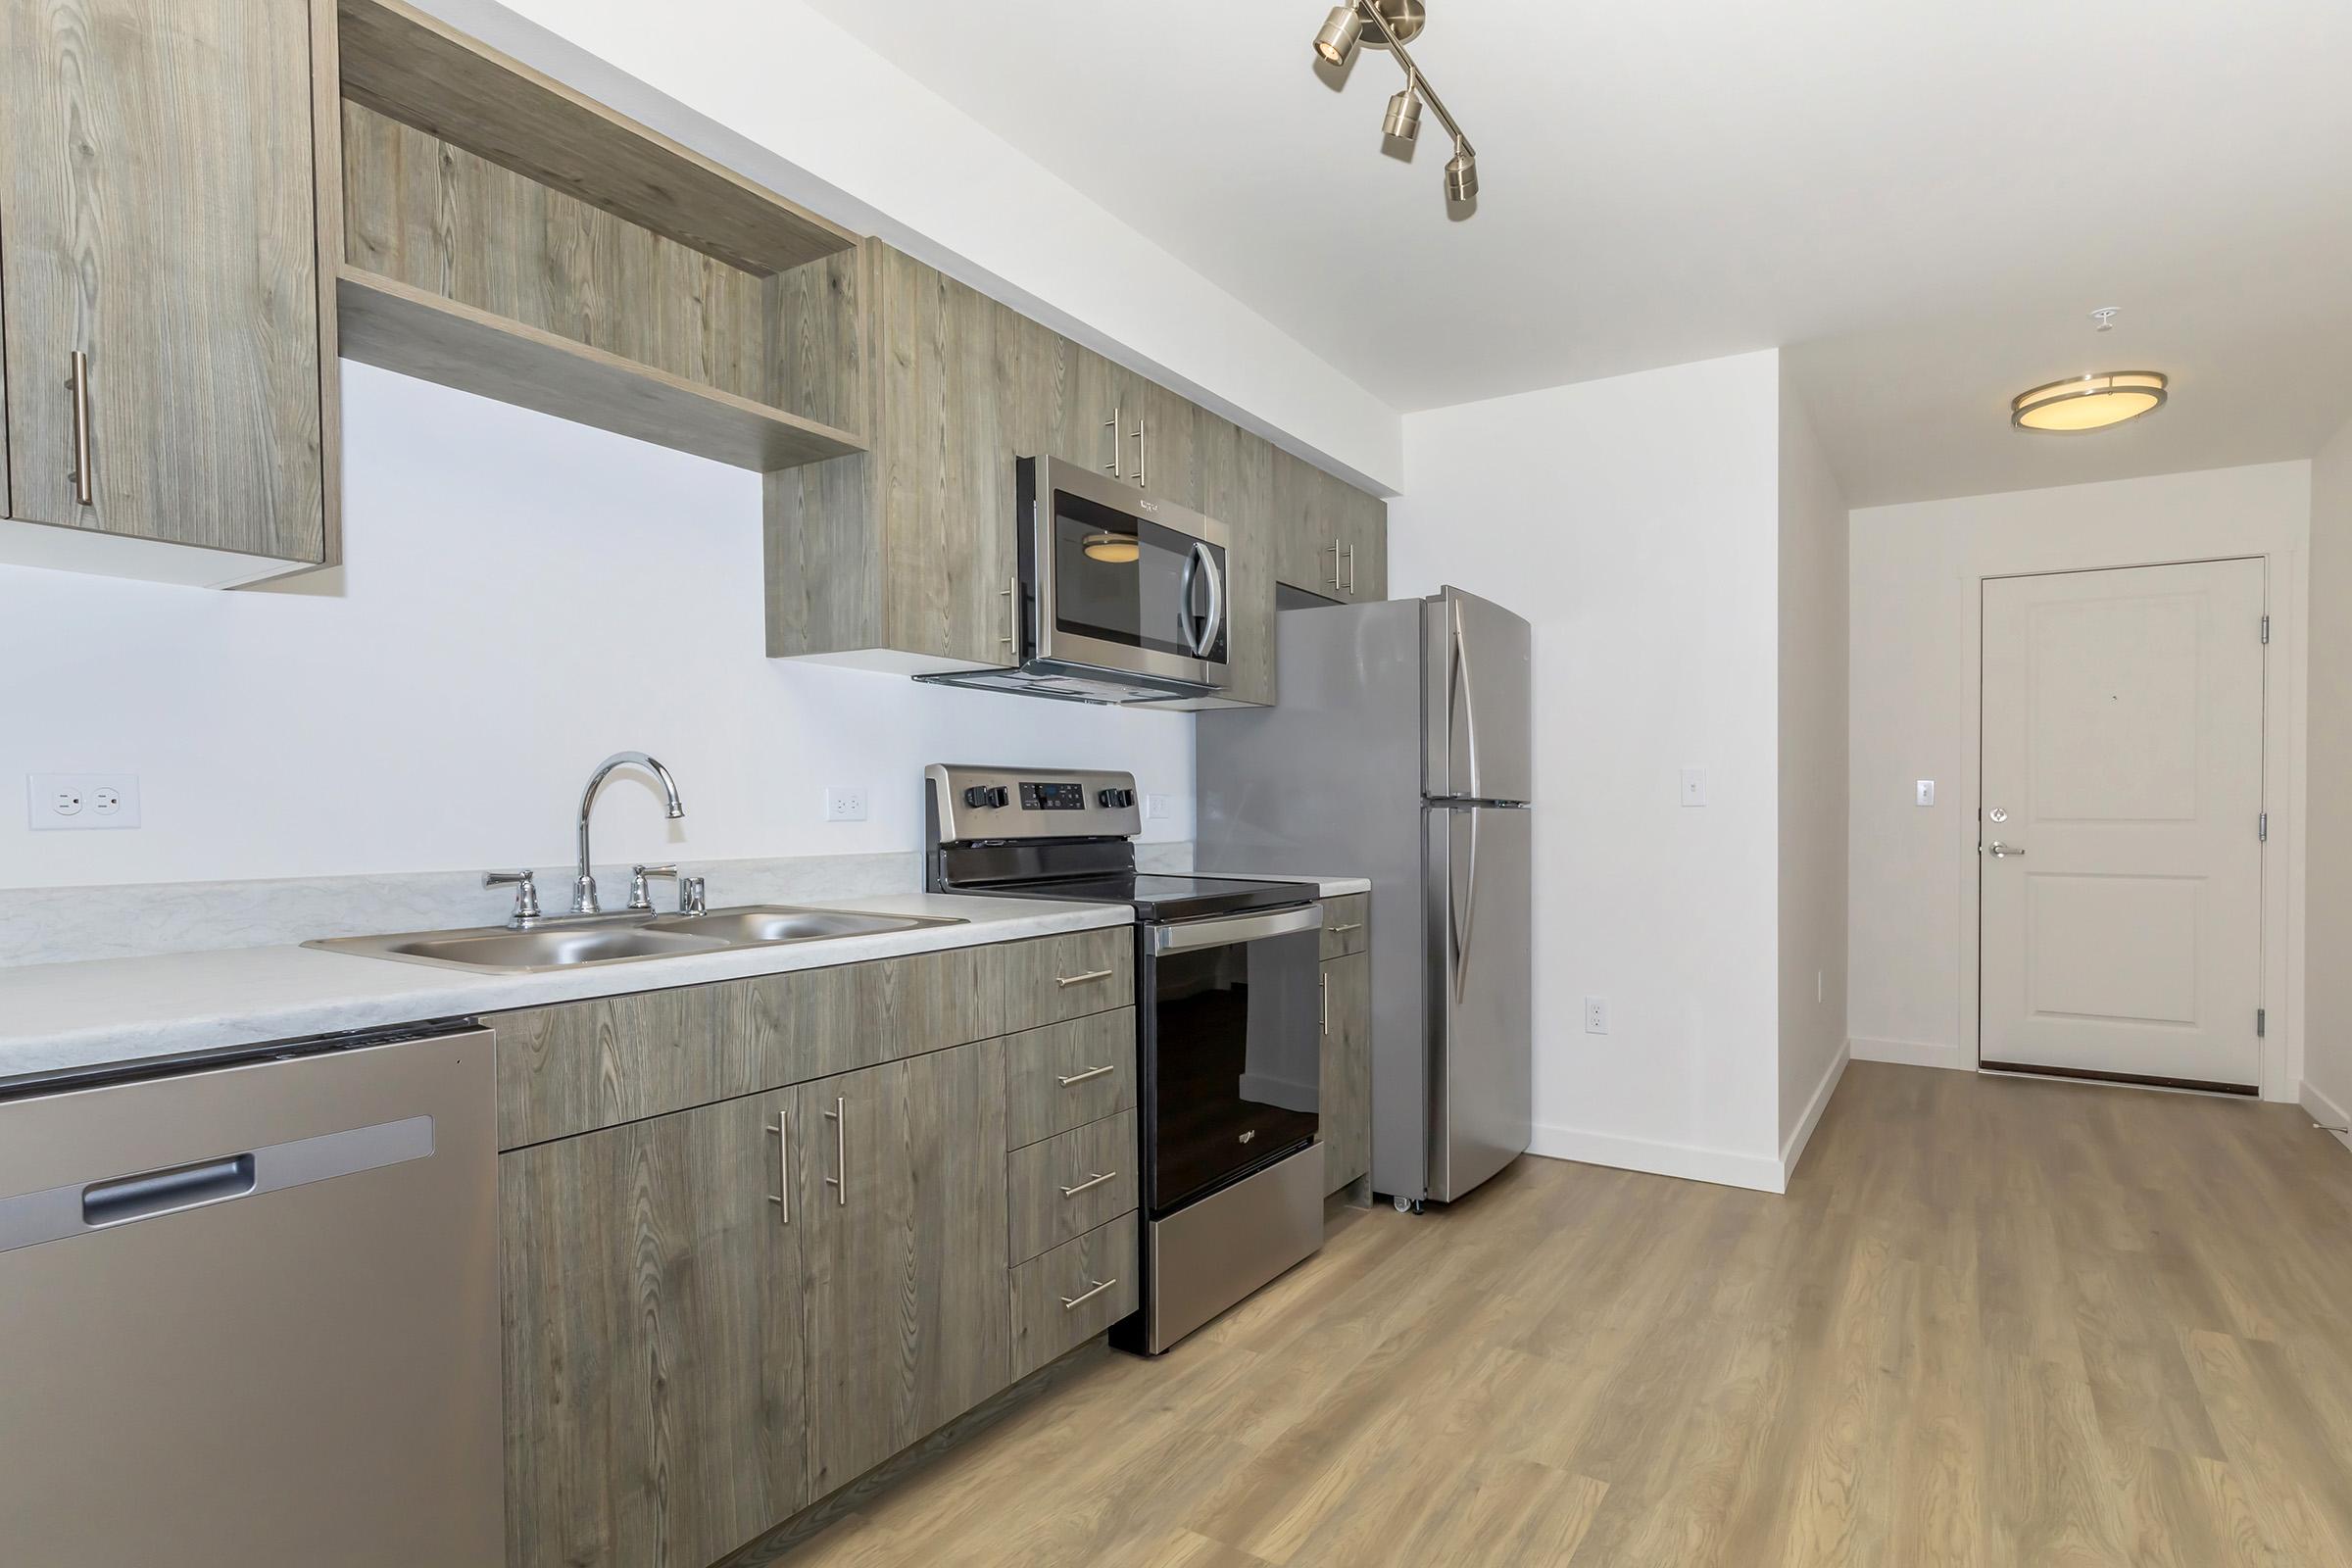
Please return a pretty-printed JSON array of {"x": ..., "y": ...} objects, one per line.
[
  {"x": 905, "y": 1305},
  {"x": 1480, "y": 992},
  {"x": 2120, "y": 858},
  {"x": 156, "y": 195}
]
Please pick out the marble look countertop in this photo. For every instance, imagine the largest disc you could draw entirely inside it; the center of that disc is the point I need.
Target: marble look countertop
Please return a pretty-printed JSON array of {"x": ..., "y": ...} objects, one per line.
[{"x": 62, "y": 1017}]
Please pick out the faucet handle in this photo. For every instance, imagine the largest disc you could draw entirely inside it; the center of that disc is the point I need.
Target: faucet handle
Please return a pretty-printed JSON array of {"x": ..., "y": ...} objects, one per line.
[
  {"x": 641, "y": 898},
  {"x": 526, "y": 892},
  {"x": 691, "y": 898}
]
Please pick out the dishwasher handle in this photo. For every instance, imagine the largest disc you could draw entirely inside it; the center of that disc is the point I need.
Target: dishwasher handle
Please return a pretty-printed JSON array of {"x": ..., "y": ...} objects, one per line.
[{"x": 160, "y": 1191}]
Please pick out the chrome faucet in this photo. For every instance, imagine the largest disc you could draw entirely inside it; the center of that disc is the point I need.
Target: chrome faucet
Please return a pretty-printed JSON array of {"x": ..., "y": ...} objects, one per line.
[{"x": 583, "y": 886}]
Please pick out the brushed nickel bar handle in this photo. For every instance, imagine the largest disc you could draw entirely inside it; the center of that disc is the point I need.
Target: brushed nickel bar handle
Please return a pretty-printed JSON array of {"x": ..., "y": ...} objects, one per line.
[
  {"x": 1343, "y": 930},
  {"x": 783, "y": 1199},
  {"x": 1091, "y": 1182},
  {"x": 1326, "y": 980},
  {"x": 1352, "y": 568},
  {"x": 1090, "y": 1073},
  {"x": 1011, "y": 595},
  {"x": 839, "y": 1117},
  {"x": 1116, "y": 425},
  {"x": 1140, "y": 449},
  {"x": 78, "y": 383},
  {"x": 1335, "y": 564},
  {"x": 1071, "y": 1303},
  {"x": 1068, "y": 980}
]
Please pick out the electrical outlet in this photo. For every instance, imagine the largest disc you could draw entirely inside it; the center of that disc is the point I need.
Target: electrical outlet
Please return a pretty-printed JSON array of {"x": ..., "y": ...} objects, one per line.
[
  {"x": 1159, "y": 806},
  {"x": 1596, "y": 1016},
  {"x": 57, "y": 803},
  {"x": 845, "y": 805},
  {"x": 1694, "y": 786}
]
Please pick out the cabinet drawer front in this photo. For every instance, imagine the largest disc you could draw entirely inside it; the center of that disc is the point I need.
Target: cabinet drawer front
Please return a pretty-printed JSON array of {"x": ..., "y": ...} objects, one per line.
[
  {"x": 1068, "y": 1185},
  {"x": 1068, "y": 1074},
  {"x": 1345, "y": 927},
  {"x": 1054, "y": 978},
  {"x": 1067, "y": 1296}
]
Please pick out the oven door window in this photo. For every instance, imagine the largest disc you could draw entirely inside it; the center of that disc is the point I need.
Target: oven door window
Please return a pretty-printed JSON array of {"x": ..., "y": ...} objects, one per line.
[
  {"x": 1236, "y": 1052},
  {"x": 1126, "y": 579}
]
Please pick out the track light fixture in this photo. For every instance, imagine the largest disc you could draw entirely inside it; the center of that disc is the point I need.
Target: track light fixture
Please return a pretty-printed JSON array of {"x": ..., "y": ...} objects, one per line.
[{"x": 1390, "y": 25}]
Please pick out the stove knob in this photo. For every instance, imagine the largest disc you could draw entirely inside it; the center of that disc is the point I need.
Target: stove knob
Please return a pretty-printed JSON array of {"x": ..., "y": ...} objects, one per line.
[
  {"x": 1106, "y": 798},
  {"x": 980, "y": 794},
  {"x": 999, "y": 796},
  {"x": 1127, "y": 798}
]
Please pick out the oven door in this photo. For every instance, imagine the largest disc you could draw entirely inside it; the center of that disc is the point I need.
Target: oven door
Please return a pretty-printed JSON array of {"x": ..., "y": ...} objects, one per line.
[
  {"x": 1122, "y": 581},
  {"x": 1231, "y": 1047}
]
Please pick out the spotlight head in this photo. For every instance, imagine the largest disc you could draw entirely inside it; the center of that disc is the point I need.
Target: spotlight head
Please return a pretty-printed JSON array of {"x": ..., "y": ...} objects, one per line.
[
  {"x": 1403, "y": 121},
  {"x": 1341, "y": 30},
  {"x": 1462, "y": 175}
]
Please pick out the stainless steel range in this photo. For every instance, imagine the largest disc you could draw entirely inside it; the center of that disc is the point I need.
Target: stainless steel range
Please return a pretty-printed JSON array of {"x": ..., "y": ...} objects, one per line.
[{"x": 1228, "y": 1039}]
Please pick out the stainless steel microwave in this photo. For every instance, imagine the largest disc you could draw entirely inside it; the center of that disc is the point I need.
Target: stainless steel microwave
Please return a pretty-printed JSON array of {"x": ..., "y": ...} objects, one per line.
[{"x": 1123, "y": 596}]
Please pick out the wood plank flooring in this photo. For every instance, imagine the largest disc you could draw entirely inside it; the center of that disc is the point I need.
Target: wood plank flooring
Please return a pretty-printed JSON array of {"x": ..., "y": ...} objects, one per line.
[{"x": 1997, "y": 1323}]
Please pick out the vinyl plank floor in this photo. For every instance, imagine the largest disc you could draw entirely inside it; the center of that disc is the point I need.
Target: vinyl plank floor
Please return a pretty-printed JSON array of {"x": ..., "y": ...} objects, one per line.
[{"x": 1992, "y": 1323}]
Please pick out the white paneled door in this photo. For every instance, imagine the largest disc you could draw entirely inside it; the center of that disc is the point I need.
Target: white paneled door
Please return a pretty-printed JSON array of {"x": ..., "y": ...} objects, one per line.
[{"x": 2121, "y": 851}]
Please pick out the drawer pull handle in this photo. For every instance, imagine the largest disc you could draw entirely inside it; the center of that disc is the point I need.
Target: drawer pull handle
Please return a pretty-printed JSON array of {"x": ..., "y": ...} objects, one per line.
[
  {"x": 1091, "y": 1072},
  {"x": 1073, "y": 1303},
  {"x": 783, "y": 1199},
  {"x": 1092, "y": 1182},
  {"x": 1343, "y": 930},
  {"x": 1092, "y": 975}
]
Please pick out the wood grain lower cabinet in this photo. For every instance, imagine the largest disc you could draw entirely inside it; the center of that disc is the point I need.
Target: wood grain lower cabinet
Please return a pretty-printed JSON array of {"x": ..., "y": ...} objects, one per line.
[
  {"x": 652, "y": 1287},
  {"x": 1346, "y": 1104},
  {"x": 170, "y": 406},
  {"x": 1065, "y": 1298},
  {"x": 907, "y": 1319}
]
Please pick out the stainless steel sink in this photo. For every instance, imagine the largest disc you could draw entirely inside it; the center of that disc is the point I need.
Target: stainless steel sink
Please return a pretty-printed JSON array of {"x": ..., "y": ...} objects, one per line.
[{"x": 568, "y": 944}]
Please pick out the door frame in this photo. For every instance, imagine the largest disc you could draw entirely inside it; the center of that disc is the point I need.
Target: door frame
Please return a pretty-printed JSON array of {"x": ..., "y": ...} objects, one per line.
[{"x": 2283, "y": 796}]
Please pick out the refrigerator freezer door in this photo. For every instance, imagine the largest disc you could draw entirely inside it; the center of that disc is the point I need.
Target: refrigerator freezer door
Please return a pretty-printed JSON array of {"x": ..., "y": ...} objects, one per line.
[
  {"x": 1479, "y": 702},
  {"x": 1481, "y": 988}
]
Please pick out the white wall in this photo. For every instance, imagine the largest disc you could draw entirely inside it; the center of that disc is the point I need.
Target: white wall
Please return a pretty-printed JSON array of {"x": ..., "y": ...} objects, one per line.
[
  {"x": 1917, "y": 571},
  {"x": 1633, "y": 521},
  {"x": 1813, "y": 826},
  {"x": 797, "y": 102},
  {"x": 522, "y": 597},
  {"x": 2327, "y": 1018}
]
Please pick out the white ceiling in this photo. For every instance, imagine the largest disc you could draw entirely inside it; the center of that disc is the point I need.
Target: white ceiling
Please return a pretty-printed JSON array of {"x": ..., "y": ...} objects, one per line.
[{"x": 1925, "y": 201}]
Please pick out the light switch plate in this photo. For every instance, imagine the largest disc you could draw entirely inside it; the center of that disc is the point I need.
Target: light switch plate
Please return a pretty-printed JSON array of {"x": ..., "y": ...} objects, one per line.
[
  {"x": 1927, "y": 792},
  {"x": 1694, "y": 786},
  {"x": 81, "y": 803}
]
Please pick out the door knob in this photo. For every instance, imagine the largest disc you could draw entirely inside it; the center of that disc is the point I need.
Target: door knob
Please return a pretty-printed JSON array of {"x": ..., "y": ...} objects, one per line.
[{"x": 2001, "y": 851}]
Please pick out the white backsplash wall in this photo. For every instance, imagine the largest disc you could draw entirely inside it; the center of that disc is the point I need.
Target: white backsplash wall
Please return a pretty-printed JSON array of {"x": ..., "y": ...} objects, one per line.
[{"x": 519, "y": 598}]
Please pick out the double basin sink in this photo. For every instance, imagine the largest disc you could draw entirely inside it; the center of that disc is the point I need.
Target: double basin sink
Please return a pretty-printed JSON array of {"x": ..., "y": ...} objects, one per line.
[{"x": 563, "y": 944}]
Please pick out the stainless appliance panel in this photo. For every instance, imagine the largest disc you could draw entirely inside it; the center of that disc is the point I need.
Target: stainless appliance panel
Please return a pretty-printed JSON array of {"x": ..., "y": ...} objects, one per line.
[
  {"x": 267, "y": 1331},
  {"x": 1160, "y": 615},
  {"x": 1211, "y": 1255},
  {"x": 1480, "y": 898},
  {"x": 1480, "y": 740}
]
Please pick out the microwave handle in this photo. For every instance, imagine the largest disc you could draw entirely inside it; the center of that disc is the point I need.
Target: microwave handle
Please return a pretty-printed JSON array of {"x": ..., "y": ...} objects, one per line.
[{"x": 1203, "y": 563}]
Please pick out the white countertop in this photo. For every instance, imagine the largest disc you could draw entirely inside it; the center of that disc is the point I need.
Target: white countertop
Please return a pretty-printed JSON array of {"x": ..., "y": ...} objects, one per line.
[
  {"x": 1329, "y": 887},
  {"x": 106, "y": 1012}
]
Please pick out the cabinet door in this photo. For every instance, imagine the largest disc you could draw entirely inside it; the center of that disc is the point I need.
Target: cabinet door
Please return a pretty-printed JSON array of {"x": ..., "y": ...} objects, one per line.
[
  {"x": 1363, "y": 546},
  {"x": 1236, "y": 482},
  {"x": 157, "y": 194},
  {"x": 948, "y": 541},
  {"x": 907, "y": 1306},
  {"x": 1346, "y": 1104},
  {"x": 652, "y": 1299},
  {"x": 1163, "y": 431},
  {"x": 1306, "y": 537}
]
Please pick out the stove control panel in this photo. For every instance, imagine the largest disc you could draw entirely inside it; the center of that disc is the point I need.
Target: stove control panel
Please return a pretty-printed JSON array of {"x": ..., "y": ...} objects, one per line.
[{"x": 994, "y": 804}]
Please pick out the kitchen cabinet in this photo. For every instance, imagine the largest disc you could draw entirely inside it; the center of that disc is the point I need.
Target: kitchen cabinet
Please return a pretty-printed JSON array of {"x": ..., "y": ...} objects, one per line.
[
  {"x": 168, "y": 271},
  {"x": 1346, "y": 1103},
  {"x": 652, "y": 1278},
  {"x": 1234, "y": 473},
  {"x": 1331, "y": 538}
]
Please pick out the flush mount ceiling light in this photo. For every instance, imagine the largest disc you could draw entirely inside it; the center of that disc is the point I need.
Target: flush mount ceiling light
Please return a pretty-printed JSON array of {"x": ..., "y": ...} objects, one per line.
[
  {"x": 2088, "y": 401},
  {"x": 1390, "y": 25}
]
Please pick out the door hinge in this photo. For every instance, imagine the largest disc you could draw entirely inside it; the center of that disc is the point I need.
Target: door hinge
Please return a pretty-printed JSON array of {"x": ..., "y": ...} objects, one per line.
[
  {"x": 2262, "y": 828},
  {"x": 2266, "y": 631},
  {"x": 2262, "y": 1023}
]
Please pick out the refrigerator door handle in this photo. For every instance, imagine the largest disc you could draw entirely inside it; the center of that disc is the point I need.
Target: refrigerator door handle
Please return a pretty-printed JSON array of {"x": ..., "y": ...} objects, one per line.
[
  {"x": 1461, "y": 924},
  {"x": 1461, "y": 677}
]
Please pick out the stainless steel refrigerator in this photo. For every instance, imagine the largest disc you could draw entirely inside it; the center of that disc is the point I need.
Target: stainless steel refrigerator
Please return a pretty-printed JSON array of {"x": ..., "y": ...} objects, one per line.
[{"x": 1401, "y": 750}]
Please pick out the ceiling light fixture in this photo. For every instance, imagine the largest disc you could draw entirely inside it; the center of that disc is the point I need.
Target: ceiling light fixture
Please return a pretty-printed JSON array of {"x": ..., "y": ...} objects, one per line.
[
  {"x": 1390, "y": 25},
  {"x": 2088, "y": 401}
]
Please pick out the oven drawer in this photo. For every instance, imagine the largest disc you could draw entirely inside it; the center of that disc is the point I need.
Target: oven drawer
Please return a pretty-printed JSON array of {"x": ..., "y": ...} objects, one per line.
[
  {"x": 1052, "y": 978},
  {"x": 1345, "y": 927},
  {"x": 1067, "y": 1296},
  {"x": 1068, "y": 1074},
  {"x": 1068, "y": 1185}
]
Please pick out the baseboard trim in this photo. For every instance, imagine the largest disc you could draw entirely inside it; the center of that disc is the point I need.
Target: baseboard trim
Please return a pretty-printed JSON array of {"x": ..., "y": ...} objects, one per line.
[
  {"x": 2327, "y": 1113},
  {"x": 1913, "y": 1054},
  {"x": 1793, "y": 1149},
  {"x": 1723, "y": 1168}
]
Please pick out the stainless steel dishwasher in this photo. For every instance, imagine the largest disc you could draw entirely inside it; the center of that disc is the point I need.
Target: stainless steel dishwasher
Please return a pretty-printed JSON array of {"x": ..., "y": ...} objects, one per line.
[{"x": 249, "y": 1312}]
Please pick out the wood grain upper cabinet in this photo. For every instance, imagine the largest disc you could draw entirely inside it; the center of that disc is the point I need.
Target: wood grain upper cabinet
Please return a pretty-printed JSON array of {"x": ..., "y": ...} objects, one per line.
[
  {"x": 1364, "y": 539},
  {"x": 1330, "y": 538},
  {"x": 160, "y": 244},
  {"x": 1236, "y": 480},
  {"x": 907, "y": 1307},
  {"x": 650, "y": 1282}
]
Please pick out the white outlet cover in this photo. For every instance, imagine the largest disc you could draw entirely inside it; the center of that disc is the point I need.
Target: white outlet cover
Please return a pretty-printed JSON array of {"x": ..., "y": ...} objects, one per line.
[
  {"x": 1596, "y": 1016},
  {"x": 845, "y": 805},
  {"x": 80, "y": 802},
  {"x": 1694, "y": 786},
  {"x": 1159, "y": 806}
]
